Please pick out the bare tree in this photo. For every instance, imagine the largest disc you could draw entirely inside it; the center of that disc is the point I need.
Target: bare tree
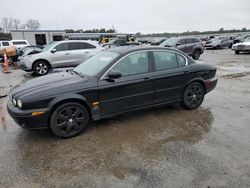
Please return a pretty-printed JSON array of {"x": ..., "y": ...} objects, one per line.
[
  {"x": 22, "y": 26},
  {"x": 33, "y": 24},
  {"x": 16, "y": 23},
  {"x": 7, "y": 24}
]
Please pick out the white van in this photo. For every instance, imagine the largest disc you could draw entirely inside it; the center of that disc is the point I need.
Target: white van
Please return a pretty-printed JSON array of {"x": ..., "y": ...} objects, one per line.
[{"x": 20, "y": 43}]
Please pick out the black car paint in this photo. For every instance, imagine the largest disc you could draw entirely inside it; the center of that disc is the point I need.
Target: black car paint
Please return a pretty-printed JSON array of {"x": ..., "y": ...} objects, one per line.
[{"x": 115, "y": 97}]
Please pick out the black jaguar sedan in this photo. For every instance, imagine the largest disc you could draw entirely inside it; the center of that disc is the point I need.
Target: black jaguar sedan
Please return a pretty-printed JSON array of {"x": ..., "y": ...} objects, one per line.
[{"x": 112, "y": 82}]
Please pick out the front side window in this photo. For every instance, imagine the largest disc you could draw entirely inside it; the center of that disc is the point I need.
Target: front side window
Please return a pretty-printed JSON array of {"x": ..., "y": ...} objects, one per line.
[
  {"x": 62, "y": 47},
  {"x": 165, "y": 60},
  {"x": 133, "y": 64}
]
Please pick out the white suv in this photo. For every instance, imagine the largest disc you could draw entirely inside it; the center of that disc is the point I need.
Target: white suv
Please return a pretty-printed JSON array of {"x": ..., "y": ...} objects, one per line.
[
  {"x": 68, "y": 53},
  {"x": 20, "y": 43}
]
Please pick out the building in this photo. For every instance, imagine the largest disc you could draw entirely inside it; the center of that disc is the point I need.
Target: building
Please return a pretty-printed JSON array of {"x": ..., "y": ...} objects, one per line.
[{"x": 38, "y": 37}]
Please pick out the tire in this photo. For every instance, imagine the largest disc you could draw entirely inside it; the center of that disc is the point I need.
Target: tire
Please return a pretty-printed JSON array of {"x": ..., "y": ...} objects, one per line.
[
  {"x": 217, "y": 47},
  {"x": 69, "y": 120},
  {"x": 10, "y": 60},
  {"x": 193, "y": 96},
  {"x": 237, "y": 52},
  {"x": 41, "y": 68},
  {"x": 196, "y": 54},
  {"x": 230, "y": 46}
]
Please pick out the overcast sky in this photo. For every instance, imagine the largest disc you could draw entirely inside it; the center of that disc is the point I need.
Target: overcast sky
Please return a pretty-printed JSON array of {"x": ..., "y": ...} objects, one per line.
[{"x": 145, "y": 16}]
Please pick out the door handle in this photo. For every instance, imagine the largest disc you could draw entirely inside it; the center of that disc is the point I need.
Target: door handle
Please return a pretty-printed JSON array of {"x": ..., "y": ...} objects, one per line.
[
  {"x": 67, "y": 53},
  {"x": 186, "y": 72},
  {"x": 146, "y": 78}
]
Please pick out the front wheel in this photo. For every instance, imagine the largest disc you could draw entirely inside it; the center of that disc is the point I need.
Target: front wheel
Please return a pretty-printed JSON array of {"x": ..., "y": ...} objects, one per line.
[
  {"x": 41, "y": 68},
  {"x": 69, "y": 120},
  {"x": 196, "y": 54},
  {"x": 193, "y": 96}
]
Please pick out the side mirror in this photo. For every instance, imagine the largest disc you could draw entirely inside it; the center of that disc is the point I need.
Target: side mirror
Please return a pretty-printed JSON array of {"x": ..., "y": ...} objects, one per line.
[
  {"x": 53, "y": 50},
  {"x": 114, "y": 75}
]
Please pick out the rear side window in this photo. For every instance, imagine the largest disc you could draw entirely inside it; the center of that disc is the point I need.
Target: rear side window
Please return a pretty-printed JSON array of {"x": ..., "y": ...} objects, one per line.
[
  {"x": 181, "y": 41},
  {"x": 181, "y": 60},
  {"x": 192, "y": 40},
  {"x": 62, "y": 47},
  {"x": 165, "y": 60},
  {"x": 80, "y": 46},
  {"x": 19, "y": 42},
  {"x": 5, "y": 43}
]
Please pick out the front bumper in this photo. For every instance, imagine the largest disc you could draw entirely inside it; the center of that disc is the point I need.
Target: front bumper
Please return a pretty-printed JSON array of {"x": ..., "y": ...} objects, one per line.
[
  {"x": 22, "y": 65},
  {"x": 211, "y": 84},
  {"x": 25, "y": 119}
]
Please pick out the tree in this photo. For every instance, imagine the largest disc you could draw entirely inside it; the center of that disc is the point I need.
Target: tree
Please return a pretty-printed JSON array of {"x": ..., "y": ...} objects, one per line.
[
  {"x": 221, "y": 30},
  {"x": 22, "y": 27},
  {"x": 16, "y": 24},
  {"x": 244, "y": 29},
  {"x": 33, "y": 24},
  {"x": 7, "y": 24}
]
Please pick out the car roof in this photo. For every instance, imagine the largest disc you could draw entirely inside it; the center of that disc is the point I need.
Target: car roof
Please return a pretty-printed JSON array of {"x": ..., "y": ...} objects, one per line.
[
  {"x": 87, "y": 41},
  {"x": 128, "y": 49}
]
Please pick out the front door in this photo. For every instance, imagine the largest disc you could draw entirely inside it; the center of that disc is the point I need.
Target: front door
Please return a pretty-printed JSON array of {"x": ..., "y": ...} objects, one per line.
[
  {"x": 134, "y": 89},
  {"x": 62, "y": 56}
]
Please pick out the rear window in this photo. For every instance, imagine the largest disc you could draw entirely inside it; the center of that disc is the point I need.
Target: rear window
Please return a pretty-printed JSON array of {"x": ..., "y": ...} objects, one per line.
[{"x": 19, "y": 42}]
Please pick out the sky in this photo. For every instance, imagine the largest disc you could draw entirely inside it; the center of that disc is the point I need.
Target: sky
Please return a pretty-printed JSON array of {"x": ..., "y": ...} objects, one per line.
[{"x": 131, "y": 16}]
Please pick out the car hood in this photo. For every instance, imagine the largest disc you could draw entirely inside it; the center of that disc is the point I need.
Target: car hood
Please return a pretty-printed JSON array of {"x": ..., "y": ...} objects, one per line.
[{"x": 50, "y": 85}]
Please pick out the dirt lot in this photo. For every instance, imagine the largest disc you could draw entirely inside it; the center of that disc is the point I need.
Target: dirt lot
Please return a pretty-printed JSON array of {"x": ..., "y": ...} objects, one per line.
[{"x": 166, "y": 147}]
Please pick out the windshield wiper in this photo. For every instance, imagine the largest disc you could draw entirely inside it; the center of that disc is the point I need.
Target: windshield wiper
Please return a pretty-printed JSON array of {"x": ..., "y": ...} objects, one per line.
[{"x": 78, "y": 73}]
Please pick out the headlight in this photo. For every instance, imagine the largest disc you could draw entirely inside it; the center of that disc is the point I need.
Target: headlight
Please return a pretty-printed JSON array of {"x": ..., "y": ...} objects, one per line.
[
  {"x": 19, "y": 103},
  {"x": 14, "y": 101}
]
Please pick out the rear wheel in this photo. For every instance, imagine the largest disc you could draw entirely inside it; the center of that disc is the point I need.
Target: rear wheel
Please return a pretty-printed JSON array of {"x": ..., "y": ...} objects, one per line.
[
  {"x": 196, "y": 54},
  {"x": 41, "y": 68},
  {"x": 193, "y": 96},
  {"x": 237, "y": 52},
  {"x": 69, "y": 120}
]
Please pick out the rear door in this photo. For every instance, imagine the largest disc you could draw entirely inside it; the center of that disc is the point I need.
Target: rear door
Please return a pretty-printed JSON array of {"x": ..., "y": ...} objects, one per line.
[
  {"x": 170, "y": 76},
  {"x": 134, "y": 89},
  {"x": 80, "y": 51}
]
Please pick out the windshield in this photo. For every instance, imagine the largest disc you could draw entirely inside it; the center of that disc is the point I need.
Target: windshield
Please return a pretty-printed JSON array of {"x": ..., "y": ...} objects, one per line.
[
  {"x": 46, "y": 48},
  {"x": 96, "y": 64},
  {"x": 170, "y": 42},
  {"x": 247, "y": 39}
]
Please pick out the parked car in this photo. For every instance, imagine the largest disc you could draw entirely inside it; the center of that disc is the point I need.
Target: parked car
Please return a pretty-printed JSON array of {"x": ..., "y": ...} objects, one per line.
[
  {"x": 22, "y": 50},
  {"x": 219, "y": 42},
  {"x": 242, "y": 47},
  {"x": 20, "y": 43},
  {"x": 113, "y": 82},
  {"x": 59, "y": 54},
  {"x": 158, "y": 42},
  {"x": 5, "y": 43},
  {"x": 190, "y": 45},
  {"x": 240, "y": 39},
  {"x": 120, "y": 42}
]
